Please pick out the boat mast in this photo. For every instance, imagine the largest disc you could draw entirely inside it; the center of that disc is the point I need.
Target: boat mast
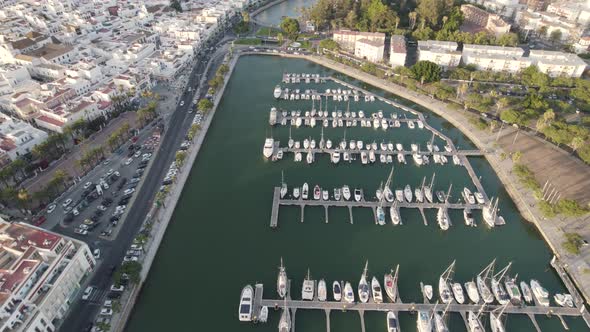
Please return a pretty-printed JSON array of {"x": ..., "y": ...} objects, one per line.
[
  {"x": 432, "y": 141},
  {"x": 481, "y": 310},
  {"x": 449, "y": 271},
  {"x": 313, "y": 104},
  {"x": 348, "y": 106},
  {"x": 502, "y": 272},
  {"x": 487, "y": 269},
  {"x": 282, "y": 178},
  {"x": 448, "y": 194},
  {"x": 432, "y": 181},
  {"x": 366, "y": 268},
  {"x": 423, "y": 180},
  {"x": 321, "y": 102}
]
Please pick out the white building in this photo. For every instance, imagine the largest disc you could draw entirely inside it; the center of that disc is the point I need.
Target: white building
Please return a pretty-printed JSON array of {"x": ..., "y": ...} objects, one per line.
[
  {"x": 347, "y": 39},
  {"x": 17, "y": 137},
  {"x": 577, "y": 11},
  {"x": 41, "y": 273},
  {"x": 443, "y": 53},
  {"x": 372, "y": 50},
  {"x": 495, "y": 58},
  {"x": 397, "y": 52},
  {"x": 558, "y": 63}
]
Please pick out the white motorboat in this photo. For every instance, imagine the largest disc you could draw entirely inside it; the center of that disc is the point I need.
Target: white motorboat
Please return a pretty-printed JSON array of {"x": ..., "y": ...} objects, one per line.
[
  {"x": 458, "y": 293},
  {"x": 444, "y": 290},
  {"x": 298, "y": 122},
  {"x": 399, "y": 147},
  {"x": 325, "y": 123},
  {"x": 277, "y": 92},
  {"x": 472, "y": 292},
  {"x": 468, "y": 217},
  {"x": 456, "y": 160},
  {"x": 448, "y": 148},
  {"x": 312, "y": 144},
  {"x": 364, "y": 158},
  {"x": 401, "y": 158},
  {"x": 328, "y": 144},
  {"x": 322, "y": 291},
  {"x": 360, "y": 145},
  {"x": 284, "y": 189},
  {"x": 399, "y": 195},
  {"x": 352, "y": 144},
  {"x": 335, "y": 157},
  {"x": 408, "y": 193},
  {"x": 479, "y": 197},
  {"x": 297, "y": 145},
  {"x": 372, "y": 156},
  {"x": 317, "y": 192},
  {"x": 346, "y": 156},
  {"x": 306, "y": 144},
  {"x": 540, "y": 293},
  {"x": 296, "y": 192},
  {"x": 307, "y": 290},
  {"x": 428, "y": 291},
  {"x": 420, "y": 124},
  {"x": 272, "y": 119},
  {"x": 246, "y": 298},
  {"x": 376, "y": 123},
  {"x": 269, "y": 145},
  {"x": 418, "y": 159},
  {"x": 346, "y": 192},
  {"x": 468, "y": 196},
  {"x": 392, "y": 322},
  {"x": 309, "y": 157},
  {"x": 376, "y": 291},
  {"x": 325, "y": 195},
  {"x": 474, "y": 323},
  {"x": 414, "y": 147},
  {"x": 394, "y": 214},
  {"x": 348, "y": 293},
  {"x": 383, "y": 158},
  {"x": 384, "y": 124},
  {"x": 424, "y": 323},
  {"x": 380, "y": 216},
  {"x": 383, "y": 146},
  {"x": 298, "y": 157},
  {"x": 363, "y": 289},
  {"x": 564, "y": 300},
  {"x": 336, "y": 291},
  {"x": 379, "y": 193},
  {"x": 305, "y": 191},
  {"x": 358, "y": 195},
  {"x": 337, "y": 194},
  {"x": 343, "y": 145},
  {"x": 526, "y": 291},
  {"x": 411, "y": 124},
  {"x": 312, "y": 122},
  {"x": 282, "y": 280},
  {"x": 263, "y": 314},
  {"x": 390, "y": 283},
  {"x": 390, "y": 146}
]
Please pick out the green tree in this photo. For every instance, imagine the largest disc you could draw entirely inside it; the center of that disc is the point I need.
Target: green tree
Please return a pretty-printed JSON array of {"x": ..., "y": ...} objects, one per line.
[
  {"x": 573, "y": 243},
  {"x": 423, "y": 34},
  {"x": 555, "y": 36},
  {"x": 430, "y": 11},
  {"x": 290, "y": 27},
  {"x": 246, "y": 16},
  {"x": 507, "y": 39},
  {"x": 542, "y": 31},
  {"x": 329, "y": 44},
  {"x": 426, "y": 71},
  {"x": 205, "y": 105},
  {"x": 180, "y": 157}
]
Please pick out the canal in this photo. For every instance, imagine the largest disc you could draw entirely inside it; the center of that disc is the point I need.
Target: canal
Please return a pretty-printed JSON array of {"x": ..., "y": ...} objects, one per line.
[
  {"x": 219, "y": 239},
  {"x": 289, "y": 8}
]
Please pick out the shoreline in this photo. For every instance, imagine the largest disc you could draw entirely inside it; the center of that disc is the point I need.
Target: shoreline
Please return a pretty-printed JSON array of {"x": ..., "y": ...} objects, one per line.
[
  {"x": 263, "y": 8},
  {"x": 551, "y": 233}
]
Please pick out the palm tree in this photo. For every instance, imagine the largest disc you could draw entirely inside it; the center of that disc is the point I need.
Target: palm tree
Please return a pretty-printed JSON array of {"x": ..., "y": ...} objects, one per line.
[
  {"x": 60, "y": 177},
  {"x": 577, "y": 142},
  {"x": 413, "y": 16},
  {"x": 23, "y": 198}
]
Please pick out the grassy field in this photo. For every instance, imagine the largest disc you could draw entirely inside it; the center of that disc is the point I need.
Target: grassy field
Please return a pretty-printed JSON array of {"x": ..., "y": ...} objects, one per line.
[
  {"x": 266, "y": 31},
  {"x": 248, "y": 41}
]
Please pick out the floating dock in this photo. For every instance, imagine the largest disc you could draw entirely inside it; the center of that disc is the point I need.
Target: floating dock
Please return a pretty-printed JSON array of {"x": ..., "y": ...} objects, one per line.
[{"x": 303, "y": 78}]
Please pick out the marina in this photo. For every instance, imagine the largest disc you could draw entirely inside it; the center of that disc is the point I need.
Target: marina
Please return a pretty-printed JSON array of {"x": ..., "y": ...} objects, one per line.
[
  {"x": 373, "y": 301},
  {"x": 199, "y": 235}
]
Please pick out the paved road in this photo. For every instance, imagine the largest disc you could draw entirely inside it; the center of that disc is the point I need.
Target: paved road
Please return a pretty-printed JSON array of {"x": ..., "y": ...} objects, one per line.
[{"x": 83, "y": 313}]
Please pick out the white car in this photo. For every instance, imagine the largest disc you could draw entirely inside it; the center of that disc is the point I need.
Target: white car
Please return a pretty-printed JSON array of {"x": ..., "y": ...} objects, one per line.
[
  {"x": 87, "y": 185},
  {"x": 137, "y": 154},
  {"x": 182, "y": 103},
  {"x": 117, "y": 289},
  {"x": 102, "y": 208},
  {"x": 128, "y": 161},
  {"x": 67, "y": 202},
  {"x": 129, "y": 191},
  {"x": 87, "y": 292},
  {"x": 81, "y": 231},
  {"x": 96, "y": 253},
  {"x": 130, "y": 259},
  {"x": 105, "y": 185},
  {"x": 121, "y": 208},
  {"x": 75, "y": 212},
  {"x": 108, "y": 303},
  {"x": 111, "y": 171},
  {"x": 50, "y": 208},
  {"x": 106, "y": 312}
]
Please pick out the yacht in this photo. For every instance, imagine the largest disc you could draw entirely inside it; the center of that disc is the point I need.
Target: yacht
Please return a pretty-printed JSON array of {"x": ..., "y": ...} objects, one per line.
[
  {"x": 277, "y": 92},
  {"x": 358, "y": 195},
  {"x": 380, "y": 216},
  {"x": 394, "y": 214},
  {"x": 401, "y": 158},
  {"x": 269, "y": 145},
  {"x": 428, "y": 291},
  {"x": 364, "y": 158},
  {"x": 418, "y": 159},
  {"x": 328, "y": 144},
  {"x": 309, "y": 157},
  {"x": 392, "y": 323},
  {"x": 513, "y": 291},
  {"x": 322, "y": 291},
  {"x": 474, "y": 323},
  {"x": 282, "y": 281},
  {"x": 472, "y": 293},
  {"x": 468, "y": 217},
  {"x": 272, "y": 120},
  {"x": 479, "y": 197},
  {"x": 439, "y": 323},
  {"x": 325, "y": 195},
  {"x": 564, "y": 300},
  {"x": 348, "y": 293},
  {"x": 317, "y": 192},
  {"x": 411, "y": 124},
  {"x": 376, "y": 291},
  {"x": 337, "y": 193},
  {"x": 307, "y": 289},
  {"x": 346, "y": 192},
  {"x": 399, "y": 195},
  {"x": 399, "y": 147},
  {"x": 458, "y": 293},
  {"x": 245, "y": 310},
  {"x": 285, "y": 321},
  {"x": 337, "y": 291},
  {"x": 424, "y": 323},
  {"x": 390, "y": 283},
  {"x": 263, "y": 314},
  {"x": 526, "y": 291},
  {"x": 305, "y": 191},
  {"x": 408, "y": 193},
  {"x": 388, "y": 194},
  {"x": 484, "y": 290},
  {"x": 468, "y": 196},
  {"x": 335, "y": 157},
  {"x": 296, "y": 192},
  {"x": 419, "y": 195},
  {"x": 363, "y": 289},
  {"x": 540, "y": 293}
]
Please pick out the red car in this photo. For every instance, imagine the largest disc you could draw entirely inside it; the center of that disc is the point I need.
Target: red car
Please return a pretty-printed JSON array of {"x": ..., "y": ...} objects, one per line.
[{"x": 39, "y": 221}]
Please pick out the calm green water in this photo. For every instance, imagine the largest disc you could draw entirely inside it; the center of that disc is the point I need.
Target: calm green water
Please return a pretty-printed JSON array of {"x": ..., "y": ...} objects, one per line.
[
  {"x": 290, "y": 8},
  {"x": 219, "y": 239}
]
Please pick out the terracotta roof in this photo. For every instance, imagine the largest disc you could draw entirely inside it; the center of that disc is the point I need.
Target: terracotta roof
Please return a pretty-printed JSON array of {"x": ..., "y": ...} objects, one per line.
[
  {"x": 50, "y": 120},
  {"x": 22, "y": 43}
]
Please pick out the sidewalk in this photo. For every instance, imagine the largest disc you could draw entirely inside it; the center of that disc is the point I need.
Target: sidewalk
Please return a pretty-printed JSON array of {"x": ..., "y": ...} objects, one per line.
[{"x": 551, "y": 229}]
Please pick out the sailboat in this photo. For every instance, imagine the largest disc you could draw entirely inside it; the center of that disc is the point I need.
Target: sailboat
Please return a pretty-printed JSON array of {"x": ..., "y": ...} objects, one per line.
[
  {"x": 472, "y": 292},
  {"x": 376, "y": 290},
  {"x": 474, "y": 323},
  {"x": 348, "y": 293},
  {"x": 392, "y": 323},
  {"x": 424, "y": 323},
  {"x": 526, "y": 291},
  {"x": 490, "y": 213},
  {"x": 496, "y": 319},
  {"x": 291, "y": 142},
  {"x": 444, "y": 290},
  {"x": 498, "y": 288},
  {"x": 363, "y": 289},
  {"x": 390, "y": 283},
  {"x": 408, "y": 193},
  {"x": 442, "y": 217},
  {"x": 284, "y": 189},
  {"x": 305, "y": 191},
  {"x": 482, "y": 287},
  {"x": 513, "y": 290},
  {"x": 336, "y": 291},
  {"x": 394, "y": 214},
  {"x": 428, "y": 190},
  {"x": 285, "y": 321},
  {"x": 282, "y": 280},
  {"x": 458, "y": 293},
  {"x": 307, "y": 289},
  {"x": 419, "y": 192},
  {"x": 322, "y": 291},
  {"x": 439, "y": 319}
]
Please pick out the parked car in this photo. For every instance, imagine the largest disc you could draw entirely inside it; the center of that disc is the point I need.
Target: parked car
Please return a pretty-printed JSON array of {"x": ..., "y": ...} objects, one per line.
[
  {"x": 106, "y": 312},
  {"x": 120, "y": 288},
  {"x": 50, "y": 208},
  {"x": 128, "y": 161},
  {"x": 87, "y": 292},
  {"x": 67, "y": 202},
  {"x": 96, "y": 253},
  {"x": 87, "y": 185},
  {"x": 107, "y": 232},
  {"x": 101, "y": 208}
]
